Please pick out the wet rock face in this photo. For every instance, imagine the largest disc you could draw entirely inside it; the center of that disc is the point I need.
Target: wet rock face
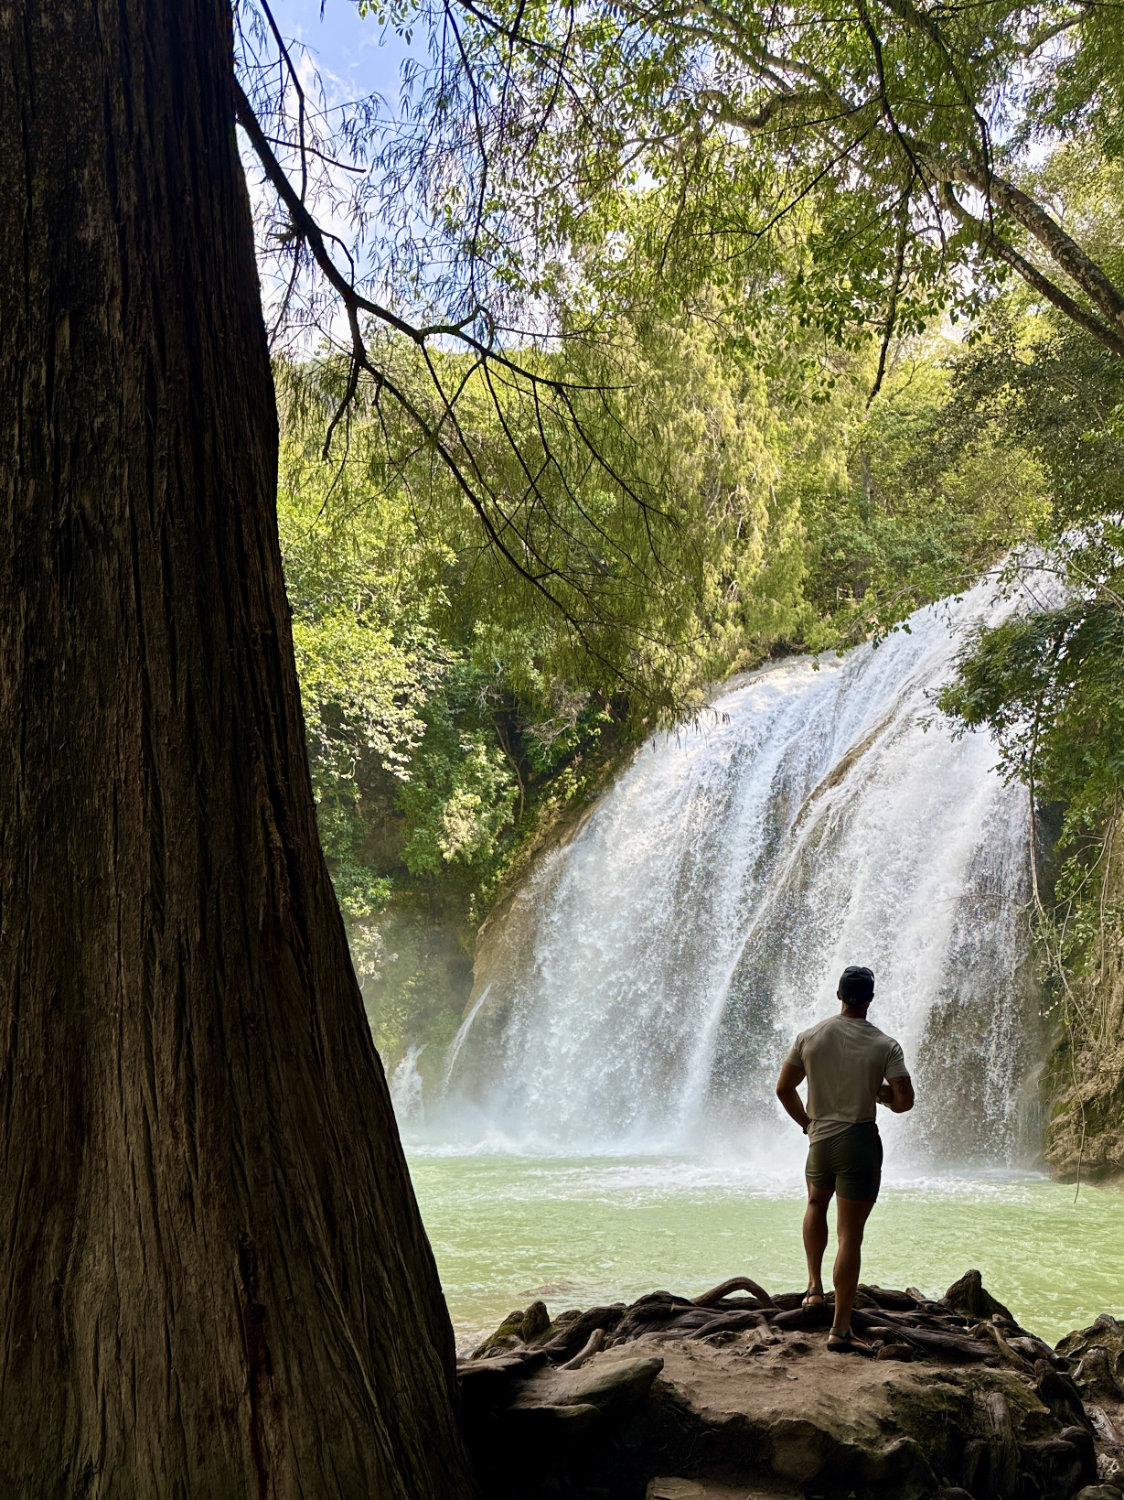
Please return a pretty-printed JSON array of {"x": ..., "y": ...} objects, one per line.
[{"x": 736, "y": 1393}]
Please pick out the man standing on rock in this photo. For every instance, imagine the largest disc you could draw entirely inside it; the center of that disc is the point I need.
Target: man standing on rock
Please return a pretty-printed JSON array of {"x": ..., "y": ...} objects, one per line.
[{"x": 850, "y": 1066}]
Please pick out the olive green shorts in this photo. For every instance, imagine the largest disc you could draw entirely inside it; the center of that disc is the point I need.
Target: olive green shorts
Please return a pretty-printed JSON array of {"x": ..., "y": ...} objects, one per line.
[{"x": 849, "y": 1163}]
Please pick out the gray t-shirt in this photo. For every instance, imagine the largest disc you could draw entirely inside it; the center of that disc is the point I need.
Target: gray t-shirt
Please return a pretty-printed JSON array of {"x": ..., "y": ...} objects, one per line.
[{"x": 846, "y": 1060}]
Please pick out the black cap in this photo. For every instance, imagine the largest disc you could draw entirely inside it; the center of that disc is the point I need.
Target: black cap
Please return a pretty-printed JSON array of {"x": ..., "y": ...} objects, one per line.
[{"x": 856, "y": 985}]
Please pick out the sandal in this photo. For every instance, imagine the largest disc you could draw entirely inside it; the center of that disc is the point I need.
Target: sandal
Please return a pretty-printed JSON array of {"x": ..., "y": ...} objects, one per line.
[
  {"x": 848, "y": 1343},
  {"x": 813, "y": 1297}
]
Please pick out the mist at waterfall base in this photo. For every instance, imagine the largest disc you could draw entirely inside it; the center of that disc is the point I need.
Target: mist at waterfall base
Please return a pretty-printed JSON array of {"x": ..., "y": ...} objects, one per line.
[{"x": 605, "y": 1120}]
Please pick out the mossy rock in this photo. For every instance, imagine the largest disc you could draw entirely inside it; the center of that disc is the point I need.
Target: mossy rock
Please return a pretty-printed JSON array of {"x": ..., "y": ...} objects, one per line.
[
  {"x": 536, "y": 1322},
  {"x": 509, "y": 1335}
]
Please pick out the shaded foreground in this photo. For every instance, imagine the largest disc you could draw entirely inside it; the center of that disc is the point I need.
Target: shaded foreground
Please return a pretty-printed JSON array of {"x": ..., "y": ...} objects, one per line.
[
  {"x": 217, "y": 1283},
  {"x": 733, "y": 1395}
]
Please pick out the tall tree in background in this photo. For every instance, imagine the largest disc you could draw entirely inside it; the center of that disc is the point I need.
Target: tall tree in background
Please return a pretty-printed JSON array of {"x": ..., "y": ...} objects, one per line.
[{"x": 217, "y": 1283}]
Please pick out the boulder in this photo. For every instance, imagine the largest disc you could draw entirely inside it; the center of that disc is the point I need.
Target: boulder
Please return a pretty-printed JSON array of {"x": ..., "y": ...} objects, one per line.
[
  {"x": 903, "y": 1431},
  {"x": 745, "y": 1400}
]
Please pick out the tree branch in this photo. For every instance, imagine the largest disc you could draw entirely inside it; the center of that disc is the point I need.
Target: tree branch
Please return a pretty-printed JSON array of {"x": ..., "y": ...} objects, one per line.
[
  {"x": 1064, "y": 251},
  {"x": 895, "y": 292},
  {"x": 309, "y": 230},
  {"x": 986, "y": 237}
]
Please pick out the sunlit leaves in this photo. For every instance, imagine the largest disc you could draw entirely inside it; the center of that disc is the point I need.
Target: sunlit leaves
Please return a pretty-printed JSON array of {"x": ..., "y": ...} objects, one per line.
[
  {"x": 650, "y": 149},
  {"x": 1051, "y": 687}
]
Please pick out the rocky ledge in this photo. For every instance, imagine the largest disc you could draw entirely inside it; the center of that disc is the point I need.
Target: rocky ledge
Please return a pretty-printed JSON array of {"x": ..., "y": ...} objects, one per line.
[{"x": 734, "y": 1396}]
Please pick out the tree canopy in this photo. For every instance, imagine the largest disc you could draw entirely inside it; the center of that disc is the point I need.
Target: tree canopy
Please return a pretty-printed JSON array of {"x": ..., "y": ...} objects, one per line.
[
  {"x": 556, "y": 158},
  {"x": 770, "y": 213}
]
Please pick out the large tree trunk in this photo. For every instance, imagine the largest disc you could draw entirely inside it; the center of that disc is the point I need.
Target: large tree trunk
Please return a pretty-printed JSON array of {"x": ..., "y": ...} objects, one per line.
[{"x": 216, "y": 1281}]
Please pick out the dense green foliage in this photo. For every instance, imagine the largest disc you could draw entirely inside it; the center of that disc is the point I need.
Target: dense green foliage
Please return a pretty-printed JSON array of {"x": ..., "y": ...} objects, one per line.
[
  {"x": 443, "y": 689},
  {"x": 455, "y": 716},
  {"x": 696, "y": 258},
  {"x": 926, "y": 508},
  {"x": 569, "y": 188},
  {"x": 862, "y": 170},
  {"x": 1050, "y": 682}
]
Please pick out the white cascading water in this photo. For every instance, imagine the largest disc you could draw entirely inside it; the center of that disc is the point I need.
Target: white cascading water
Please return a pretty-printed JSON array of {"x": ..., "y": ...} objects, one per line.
[{"x": 650, "y": 975}]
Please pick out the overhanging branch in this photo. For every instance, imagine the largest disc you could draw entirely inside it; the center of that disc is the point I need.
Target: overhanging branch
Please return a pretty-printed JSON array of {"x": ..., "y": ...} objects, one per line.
[
  {"x": 984, "y": 234},
  {"x": 1062, "y": 249},
  {"x": 444, "y": 435}
]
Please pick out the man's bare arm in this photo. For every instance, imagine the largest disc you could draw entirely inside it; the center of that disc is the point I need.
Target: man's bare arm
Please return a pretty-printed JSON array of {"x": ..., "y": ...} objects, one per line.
[
  {"x": 791, "y": 1076},
  {"x": 897, "y": 1094}
]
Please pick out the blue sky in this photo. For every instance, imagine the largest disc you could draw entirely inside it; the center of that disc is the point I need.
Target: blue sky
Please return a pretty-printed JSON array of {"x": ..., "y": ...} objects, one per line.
[
  {"x": 355, "y": 57},
  {"x": 359, "y": 54}
]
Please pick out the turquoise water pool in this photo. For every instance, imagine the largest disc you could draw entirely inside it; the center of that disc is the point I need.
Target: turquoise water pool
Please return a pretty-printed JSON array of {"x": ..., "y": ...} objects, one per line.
[{"x": 507, "y": 1229}]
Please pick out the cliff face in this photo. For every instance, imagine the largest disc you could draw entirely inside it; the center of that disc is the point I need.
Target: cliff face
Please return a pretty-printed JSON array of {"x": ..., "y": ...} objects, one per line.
[
  {"x": 1085, "y": 1135},
  {"x": 416, "y": 960}
]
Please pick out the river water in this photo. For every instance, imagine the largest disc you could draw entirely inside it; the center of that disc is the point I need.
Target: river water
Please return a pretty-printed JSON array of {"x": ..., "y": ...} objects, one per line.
[
  {"x": 578, "y": 1231},
  {"x": 604, "y": 1122}
]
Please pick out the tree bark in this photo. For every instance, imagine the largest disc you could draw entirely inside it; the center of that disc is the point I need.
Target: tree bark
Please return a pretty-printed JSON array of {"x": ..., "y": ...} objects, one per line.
[{"x": 217, "y": 1282}]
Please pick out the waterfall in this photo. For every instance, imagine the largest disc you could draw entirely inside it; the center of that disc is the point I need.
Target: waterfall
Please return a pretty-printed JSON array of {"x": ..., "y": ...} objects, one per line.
[
  {"x": 406, "y": 1088},
  {"x": 651, "y": 974}
]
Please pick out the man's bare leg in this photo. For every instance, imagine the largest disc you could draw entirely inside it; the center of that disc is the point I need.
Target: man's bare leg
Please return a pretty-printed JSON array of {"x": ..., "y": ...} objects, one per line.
[
  {"x": 852, "y": 1214},
  {"x": 815, "y": 1234}
]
